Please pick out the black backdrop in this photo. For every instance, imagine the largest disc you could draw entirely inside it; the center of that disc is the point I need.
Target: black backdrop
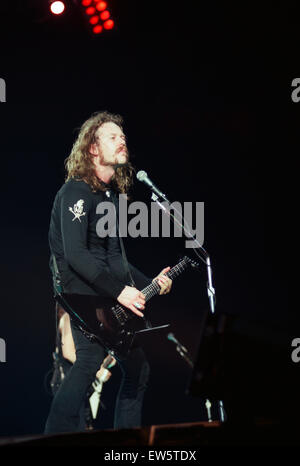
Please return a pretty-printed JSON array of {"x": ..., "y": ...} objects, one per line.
[{"x": 205, "y": 93}]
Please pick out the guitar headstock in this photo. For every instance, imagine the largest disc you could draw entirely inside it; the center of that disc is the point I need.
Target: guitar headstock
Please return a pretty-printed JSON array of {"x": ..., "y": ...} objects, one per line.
[{"x": 190, "y": 262}]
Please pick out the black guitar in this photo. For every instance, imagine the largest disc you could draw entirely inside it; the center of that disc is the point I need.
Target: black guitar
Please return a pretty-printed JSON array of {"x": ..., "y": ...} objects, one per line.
[{"x": 115, "y": 326}]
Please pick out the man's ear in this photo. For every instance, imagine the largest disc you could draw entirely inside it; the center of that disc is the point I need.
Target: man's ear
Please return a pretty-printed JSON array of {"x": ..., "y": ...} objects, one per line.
[{"x": 93, "y": 149}]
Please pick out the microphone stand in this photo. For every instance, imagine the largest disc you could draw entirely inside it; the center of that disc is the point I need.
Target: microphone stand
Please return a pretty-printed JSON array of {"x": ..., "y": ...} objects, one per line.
[
  {"x": 204, "y": 257},
  {"x": 181, "y": 350},
  {"x": 185, "y": 356}
]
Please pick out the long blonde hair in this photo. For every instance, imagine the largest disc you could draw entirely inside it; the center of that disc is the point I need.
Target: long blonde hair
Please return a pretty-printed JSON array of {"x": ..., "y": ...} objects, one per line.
[{"x": 79, "y": 164}]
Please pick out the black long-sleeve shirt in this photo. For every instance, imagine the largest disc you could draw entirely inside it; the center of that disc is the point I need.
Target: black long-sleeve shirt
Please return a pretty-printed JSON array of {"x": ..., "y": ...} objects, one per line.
[{"x": 88, "y": 264}]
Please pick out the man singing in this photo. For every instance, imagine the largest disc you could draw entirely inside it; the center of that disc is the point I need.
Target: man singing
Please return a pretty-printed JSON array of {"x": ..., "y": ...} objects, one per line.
[{"x": 98, "y": 169}]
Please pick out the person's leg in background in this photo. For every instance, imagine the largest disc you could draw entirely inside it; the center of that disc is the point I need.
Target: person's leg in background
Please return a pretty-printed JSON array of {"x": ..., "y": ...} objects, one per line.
[
  {"x": 135, "y": 374},
  {"x": 67, "y": 404}
]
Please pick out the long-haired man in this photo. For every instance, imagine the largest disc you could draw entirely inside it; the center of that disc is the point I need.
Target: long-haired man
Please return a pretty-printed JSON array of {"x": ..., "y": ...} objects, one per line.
[{"x": 92, "y": 267}]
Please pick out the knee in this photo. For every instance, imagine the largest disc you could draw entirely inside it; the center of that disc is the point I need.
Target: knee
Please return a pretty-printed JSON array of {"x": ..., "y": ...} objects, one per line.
[
  {"x": 135, "y": 379},
  {"x": 89, "y": 361},
  {"x": 144, "y": 375}
]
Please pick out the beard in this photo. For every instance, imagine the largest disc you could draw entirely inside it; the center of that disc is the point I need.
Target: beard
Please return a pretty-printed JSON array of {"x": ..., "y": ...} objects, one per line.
[
  {"x": 123, "y": 176},
  {"x": 124, "y": 155},
  {"x": 115, "y": 162}
]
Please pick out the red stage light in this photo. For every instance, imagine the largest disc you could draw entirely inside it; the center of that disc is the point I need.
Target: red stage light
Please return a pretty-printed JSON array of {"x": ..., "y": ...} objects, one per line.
[
  {"x": 90, "y": 10},
  {"x": 97, "y": 29},
  {"x": 94, "y": 19},
  {"x": 104, "y": 15},
  {"x": 109, "y": 24},
  {"x": 101, "y": 6},
  {"x": 97, "y": 15},
  {"x": 57, "y": 7}
]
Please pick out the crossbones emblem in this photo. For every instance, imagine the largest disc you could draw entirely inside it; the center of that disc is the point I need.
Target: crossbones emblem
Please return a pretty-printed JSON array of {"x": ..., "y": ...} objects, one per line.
[{"x": 77, "y": 210}]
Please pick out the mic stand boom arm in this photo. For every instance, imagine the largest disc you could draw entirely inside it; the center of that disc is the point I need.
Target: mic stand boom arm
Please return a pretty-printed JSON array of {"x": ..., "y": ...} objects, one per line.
[
  {"x": 210, "y": 289},
  {"x": 204, "y": 257}
]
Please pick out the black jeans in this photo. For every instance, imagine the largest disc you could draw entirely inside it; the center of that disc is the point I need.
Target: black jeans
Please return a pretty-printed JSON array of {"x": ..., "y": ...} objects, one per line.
[{"x": 65, "y": 410}]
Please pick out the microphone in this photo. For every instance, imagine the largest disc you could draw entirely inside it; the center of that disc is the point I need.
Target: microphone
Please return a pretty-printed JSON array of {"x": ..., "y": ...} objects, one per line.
[
  {"x": 143, "y": 177},
  {"x": 171, "y": 337}
]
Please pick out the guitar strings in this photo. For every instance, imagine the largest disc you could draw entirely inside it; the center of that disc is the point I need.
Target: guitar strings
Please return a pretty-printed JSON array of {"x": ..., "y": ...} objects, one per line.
[{"x": 151, "y": 290}]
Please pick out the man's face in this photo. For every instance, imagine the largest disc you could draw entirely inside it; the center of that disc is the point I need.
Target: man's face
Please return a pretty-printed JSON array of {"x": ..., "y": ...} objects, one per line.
[{"x": 111, "y": 144}]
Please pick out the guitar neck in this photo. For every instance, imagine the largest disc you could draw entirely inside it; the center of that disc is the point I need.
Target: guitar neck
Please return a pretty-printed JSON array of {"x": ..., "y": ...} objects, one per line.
[
  {"x": 154, "y": 288},
  {"x": 123, "y": 315}
]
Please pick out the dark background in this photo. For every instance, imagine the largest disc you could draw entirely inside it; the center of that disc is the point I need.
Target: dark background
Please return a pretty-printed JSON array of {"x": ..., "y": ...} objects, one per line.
[{"x": 205, "y": 91}]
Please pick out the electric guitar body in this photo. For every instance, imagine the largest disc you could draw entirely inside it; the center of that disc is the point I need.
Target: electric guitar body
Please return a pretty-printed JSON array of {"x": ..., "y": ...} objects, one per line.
[{"x": 111, "y": 324}]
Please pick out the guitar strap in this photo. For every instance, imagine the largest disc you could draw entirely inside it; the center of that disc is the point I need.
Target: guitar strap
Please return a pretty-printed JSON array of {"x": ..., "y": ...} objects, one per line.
[
  {"x": 58, "y": 289},
  {"x": 125, "y": 261},
  {"x": 60, "y": 299},
  {"x": 148, "y": 324}
]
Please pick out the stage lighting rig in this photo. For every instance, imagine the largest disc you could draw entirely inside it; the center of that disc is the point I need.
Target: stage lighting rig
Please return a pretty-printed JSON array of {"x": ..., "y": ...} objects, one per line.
[{"x": 97, "y": 15}]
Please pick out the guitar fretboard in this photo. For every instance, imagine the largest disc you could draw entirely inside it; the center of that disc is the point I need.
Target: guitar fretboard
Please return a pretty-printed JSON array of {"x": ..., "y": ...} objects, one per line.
[
  {"x": 123, "y": 315},
  {"x": 154, "y": 288}
]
